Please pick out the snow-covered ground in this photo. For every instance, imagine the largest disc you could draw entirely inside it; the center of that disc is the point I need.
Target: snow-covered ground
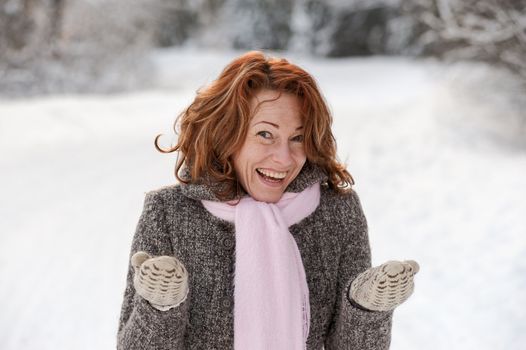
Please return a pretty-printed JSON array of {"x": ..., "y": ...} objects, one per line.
[{"x": 438, "y": 180}]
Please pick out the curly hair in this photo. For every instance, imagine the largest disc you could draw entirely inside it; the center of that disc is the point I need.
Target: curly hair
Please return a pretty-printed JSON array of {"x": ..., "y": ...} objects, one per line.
[{"x": 214, "y": 127}]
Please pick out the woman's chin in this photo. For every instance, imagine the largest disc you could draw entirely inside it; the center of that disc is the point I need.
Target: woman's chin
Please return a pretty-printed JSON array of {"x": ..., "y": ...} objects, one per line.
[{"x": 267, "y": 197}]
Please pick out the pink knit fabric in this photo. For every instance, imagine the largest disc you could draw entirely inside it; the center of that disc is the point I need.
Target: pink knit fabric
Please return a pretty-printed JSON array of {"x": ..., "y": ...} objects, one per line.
[{"x": 271, "y": 297}]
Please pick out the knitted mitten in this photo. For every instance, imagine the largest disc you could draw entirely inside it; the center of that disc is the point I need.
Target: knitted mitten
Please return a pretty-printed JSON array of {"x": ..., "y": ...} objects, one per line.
[
  {"x": 162, "y": 280},
  {"x": 384, "y": 287}
]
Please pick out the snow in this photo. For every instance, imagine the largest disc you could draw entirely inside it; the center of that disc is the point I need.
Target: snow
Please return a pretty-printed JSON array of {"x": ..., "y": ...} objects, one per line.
[{"x": 438, "y": 185}]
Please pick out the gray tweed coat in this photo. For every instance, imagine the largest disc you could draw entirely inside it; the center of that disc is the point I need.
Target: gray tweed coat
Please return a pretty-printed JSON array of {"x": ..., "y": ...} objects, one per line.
[{"x": 334, "y": 247}]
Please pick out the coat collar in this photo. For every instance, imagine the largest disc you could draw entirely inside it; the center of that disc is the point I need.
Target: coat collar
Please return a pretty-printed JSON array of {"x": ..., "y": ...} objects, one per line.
[{"x": 309, "y": 174}]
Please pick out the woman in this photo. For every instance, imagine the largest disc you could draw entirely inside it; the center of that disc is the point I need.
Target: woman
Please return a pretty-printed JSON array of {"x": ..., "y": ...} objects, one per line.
[{"x": 263, "y": 244}]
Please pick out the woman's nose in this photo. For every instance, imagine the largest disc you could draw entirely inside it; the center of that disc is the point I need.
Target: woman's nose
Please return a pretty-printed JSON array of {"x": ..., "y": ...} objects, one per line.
[{"x": 283, "y": 154}]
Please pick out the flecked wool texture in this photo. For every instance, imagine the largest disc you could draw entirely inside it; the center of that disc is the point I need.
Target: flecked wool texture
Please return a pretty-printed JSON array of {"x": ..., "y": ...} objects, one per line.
[{"x": 334, "y": 246}]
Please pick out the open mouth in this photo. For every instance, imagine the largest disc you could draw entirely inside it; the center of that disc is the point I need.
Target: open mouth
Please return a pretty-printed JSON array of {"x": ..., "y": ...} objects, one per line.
[{"x": 272, "y": 176}]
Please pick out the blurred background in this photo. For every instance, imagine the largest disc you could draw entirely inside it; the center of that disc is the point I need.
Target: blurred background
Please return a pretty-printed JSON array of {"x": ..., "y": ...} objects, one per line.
[{"x": 428, "y": 99}]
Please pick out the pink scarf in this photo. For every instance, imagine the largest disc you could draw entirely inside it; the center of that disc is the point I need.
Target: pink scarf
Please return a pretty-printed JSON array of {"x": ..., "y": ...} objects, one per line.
[{"x": 271, "y": 297}]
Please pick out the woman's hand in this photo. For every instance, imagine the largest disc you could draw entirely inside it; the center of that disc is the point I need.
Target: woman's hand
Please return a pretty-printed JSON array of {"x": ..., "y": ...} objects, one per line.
[
  {"x": 384, "y": 287},
  {"x": 162, "y": 280}
]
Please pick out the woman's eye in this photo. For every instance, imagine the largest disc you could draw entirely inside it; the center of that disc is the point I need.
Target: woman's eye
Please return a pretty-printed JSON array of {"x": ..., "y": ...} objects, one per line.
[
  {"x": 298, "y": 138},
  {"x": 265, "y": 134}
]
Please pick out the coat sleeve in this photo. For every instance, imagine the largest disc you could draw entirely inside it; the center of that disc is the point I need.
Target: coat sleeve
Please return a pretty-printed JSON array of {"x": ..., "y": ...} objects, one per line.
[
  {"x": 141, "y": 326},
  {"x": 353, "y": 327}
]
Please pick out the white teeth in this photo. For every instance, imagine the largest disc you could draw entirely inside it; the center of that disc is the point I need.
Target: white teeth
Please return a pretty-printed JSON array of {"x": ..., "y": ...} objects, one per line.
[{"x": 276, "y": 175}]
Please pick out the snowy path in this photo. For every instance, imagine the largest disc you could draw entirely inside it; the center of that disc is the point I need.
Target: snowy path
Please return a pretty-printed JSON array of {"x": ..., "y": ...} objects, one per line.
[{"x": 75, "y": 169}]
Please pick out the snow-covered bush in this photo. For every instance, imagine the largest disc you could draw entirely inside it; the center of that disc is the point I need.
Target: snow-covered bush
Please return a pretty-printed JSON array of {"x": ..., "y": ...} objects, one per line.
[
  {"x": 97, "y": 45},
  {"x": 78, "y": 45},
  {"x": 28, "y": 28},
  {"x": 350, "y": 28},
  {"x": 492, "y": 31}
]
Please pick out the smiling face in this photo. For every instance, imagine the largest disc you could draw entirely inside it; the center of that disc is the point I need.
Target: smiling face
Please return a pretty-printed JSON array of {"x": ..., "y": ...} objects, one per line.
[{"x": 273, "y": 152}]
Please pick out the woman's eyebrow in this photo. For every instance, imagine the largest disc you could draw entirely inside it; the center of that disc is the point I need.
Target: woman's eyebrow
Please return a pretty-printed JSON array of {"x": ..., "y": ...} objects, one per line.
[
  {"x": 275, "y": 125},
  {"x": 263, "y": 121}
]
